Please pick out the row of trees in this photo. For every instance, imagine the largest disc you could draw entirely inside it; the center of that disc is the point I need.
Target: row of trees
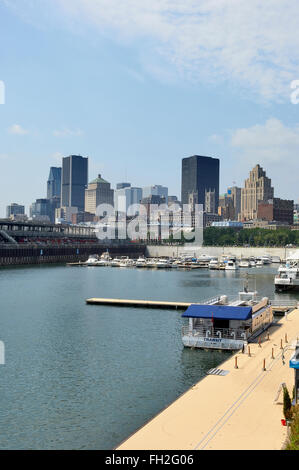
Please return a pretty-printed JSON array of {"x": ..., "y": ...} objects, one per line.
[{"x": 215, "y": 236}]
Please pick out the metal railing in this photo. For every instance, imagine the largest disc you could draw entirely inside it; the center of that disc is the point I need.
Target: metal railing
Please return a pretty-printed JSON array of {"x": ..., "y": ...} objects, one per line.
[
  {"x": 227, "y": 333},
  {"x": 284, "y": 303},
  {"x": 211, "y": 301}
]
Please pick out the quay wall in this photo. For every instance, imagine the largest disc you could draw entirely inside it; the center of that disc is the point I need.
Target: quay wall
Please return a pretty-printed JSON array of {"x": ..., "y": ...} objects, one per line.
[
  {"x": 15, "y": 255},
  {"x": 154, "y": 251}
]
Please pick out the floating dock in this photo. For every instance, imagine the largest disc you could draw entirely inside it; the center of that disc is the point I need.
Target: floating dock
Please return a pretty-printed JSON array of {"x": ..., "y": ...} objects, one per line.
[
  {"x": 277, "y": 309},
  {"x": 238, "y": 406},
  {"x": 140, "y": 303}
]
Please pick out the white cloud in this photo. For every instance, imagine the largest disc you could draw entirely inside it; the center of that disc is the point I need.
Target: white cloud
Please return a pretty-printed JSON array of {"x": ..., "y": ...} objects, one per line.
[
  {"x": 252, "y": 44},
  {"x": 16, "y": 129},
  {"x": 68, "y": 133},
  {"x": 270, "y": 143},
  {"x": 274, "y": 146}
]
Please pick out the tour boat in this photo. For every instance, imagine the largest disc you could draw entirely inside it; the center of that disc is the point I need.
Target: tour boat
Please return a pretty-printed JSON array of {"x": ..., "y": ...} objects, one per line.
[{"x": 220, "y": 324}]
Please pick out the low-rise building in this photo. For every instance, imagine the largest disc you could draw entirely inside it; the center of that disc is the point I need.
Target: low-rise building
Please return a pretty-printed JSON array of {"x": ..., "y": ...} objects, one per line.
[
  {"x": 228, "y": 224},
  {"x": 14, "y": 209},
  {"x": 64, "y": 214},
  {"x": 276, "y": 210}
]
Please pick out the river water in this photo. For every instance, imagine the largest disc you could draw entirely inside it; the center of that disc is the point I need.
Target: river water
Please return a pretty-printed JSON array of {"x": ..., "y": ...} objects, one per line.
[{"x": 86, "y": 377}]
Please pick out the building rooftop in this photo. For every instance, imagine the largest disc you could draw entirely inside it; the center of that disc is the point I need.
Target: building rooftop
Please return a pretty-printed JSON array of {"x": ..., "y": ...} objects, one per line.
[{"x": 99, "y": 179}]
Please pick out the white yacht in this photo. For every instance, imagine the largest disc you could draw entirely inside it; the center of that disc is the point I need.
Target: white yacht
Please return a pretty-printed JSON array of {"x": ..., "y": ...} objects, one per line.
[
  {"x": 244, "y": 263},
  {"x": 220, "y": 324},
  {"x": 163, "y": 263},
  {"x": 126, "y": 262},
  {"x": 275, "y": 259},
  {"x": 141, "y": 262},
  {"x": 231, "y": 265},
  {"x": 267, "y": 259},
  {"x": 92, "y": 260},
  {"x": 214, "y": 263},
  {"x": 288, "y": 275},
  {"x": 260, "y": 262},
  {"x": 151, "y": 263},
  {"x": 115, "y": 263},
  {"x": 104, "y": 259},
  {"x": 204, "y": 258}
]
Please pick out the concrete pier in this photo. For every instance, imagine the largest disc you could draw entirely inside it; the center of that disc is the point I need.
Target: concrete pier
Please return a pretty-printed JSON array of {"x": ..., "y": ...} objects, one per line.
[{"x": 239, "y": 410}]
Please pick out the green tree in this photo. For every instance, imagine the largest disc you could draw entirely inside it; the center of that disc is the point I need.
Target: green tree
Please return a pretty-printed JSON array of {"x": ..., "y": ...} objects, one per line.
[{"x": 287, "y": 404}]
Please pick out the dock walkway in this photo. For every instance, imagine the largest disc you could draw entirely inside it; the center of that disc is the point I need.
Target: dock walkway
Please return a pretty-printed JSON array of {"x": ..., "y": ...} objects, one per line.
[
  {"x": 140, "y": 303},
  {"x": 232, "y": 411}
]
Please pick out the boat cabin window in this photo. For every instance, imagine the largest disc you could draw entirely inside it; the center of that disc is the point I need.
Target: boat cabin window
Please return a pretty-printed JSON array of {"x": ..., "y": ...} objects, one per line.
[{"x": 219, "y": 323}]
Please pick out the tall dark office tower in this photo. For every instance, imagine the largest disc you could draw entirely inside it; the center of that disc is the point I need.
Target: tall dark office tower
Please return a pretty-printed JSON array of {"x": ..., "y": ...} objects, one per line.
[
  {"x": 54, "y": 183},
  {"x": 74, "y": 181},
  {"x": 200, "y": 175}
]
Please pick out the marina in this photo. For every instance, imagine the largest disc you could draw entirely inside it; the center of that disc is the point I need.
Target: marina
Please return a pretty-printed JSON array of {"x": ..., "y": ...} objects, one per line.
[{"x": 225, "y": 262}]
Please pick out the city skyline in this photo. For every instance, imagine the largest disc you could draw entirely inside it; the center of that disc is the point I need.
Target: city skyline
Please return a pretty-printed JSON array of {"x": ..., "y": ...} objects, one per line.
[
  {"x": 137, "y": 104},
  {"x": 202, "y": 188}
]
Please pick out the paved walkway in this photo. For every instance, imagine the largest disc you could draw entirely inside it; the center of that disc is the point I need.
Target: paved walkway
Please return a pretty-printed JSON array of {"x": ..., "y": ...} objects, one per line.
[{"x": 236, "y": 411}]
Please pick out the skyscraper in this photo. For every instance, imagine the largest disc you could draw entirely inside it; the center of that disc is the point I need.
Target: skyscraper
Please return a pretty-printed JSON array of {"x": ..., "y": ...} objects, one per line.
[
  {"x": 235, "y": 193},
  {"x": 156, "y": 190},
  {"x": 74, "y": 181},
  {"x": 54, "y": 183},
  {"x": 199, "y": 176},
  {"x": 98, "y": 192},
  {"x": 126, "y": 197},
  {"x": 41, "y": 210},
  {"x": 257, "y": 189}
]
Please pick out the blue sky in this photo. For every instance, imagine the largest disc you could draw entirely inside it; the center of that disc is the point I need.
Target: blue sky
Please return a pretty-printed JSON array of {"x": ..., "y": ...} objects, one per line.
[{"x": 138, "y": 87}]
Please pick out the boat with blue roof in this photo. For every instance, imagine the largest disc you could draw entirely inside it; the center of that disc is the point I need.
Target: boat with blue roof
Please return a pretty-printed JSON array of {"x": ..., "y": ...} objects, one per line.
[{"x": 227, "y": 325}]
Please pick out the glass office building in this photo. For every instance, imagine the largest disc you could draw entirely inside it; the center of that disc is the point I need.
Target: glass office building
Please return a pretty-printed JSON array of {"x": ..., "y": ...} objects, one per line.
[
  {"x": 200, "y": 175},
  {"x": 74, "y": 181}
]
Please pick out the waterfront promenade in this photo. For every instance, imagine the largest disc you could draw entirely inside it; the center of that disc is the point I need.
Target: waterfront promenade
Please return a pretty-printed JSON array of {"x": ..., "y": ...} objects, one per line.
[{"x": 231, "y": 412}]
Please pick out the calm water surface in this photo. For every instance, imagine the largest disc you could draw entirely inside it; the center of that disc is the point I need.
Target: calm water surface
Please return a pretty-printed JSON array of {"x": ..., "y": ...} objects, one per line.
[{"x": 85, "y": 377}]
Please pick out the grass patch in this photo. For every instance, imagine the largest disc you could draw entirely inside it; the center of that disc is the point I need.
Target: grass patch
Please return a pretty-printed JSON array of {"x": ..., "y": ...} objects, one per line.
[{"x": 293, "y": 443}]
